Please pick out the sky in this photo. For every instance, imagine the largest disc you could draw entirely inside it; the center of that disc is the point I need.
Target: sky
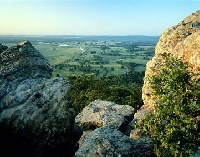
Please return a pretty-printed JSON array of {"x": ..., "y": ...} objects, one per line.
[{"x": 92, "y": 17}]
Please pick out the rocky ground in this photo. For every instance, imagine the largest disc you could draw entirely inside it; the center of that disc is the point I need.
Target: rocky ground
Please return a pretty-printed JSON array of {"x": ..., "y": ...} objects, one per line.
[{"x": 106, "y": 131}]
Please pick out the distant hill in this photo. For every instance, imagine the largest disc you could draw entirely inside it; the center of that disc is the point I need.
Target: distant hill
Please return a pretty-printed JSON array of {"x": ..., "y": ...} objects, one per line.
[{"x": 142, "y": 39}]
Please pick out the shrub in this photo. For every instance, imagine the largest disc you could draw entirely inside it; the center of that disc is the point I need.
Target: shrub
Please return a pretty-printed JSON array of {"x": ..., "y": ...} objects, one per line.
[
  {"x": 123, "y": 89},
  {"x": 175, "y": 124}
]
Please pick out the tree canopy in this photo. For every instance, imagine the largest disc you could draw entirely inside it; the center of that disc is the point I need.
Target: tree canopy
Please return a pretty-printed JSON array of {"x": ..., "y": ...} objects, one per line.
[{"x": 123, "y": 89}]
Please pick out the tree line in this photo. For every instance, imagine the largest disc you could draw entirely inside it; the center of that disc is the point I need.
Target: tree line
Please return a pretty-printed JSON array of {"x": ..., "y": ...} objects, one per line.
[{"x": 125, "y": 89}]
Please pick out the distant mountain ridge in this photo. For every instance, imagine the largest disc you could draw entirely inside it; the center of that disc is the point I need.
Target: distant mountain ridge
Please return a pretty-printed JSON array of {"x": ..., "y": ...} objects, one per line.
[{"x": 151, "y": 40}]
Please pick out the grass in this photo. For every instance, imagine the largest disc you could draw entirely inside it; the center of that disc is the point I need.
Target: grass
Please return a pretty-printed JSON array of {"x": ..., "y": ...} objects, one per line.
[{"x": 73, "y": 56}]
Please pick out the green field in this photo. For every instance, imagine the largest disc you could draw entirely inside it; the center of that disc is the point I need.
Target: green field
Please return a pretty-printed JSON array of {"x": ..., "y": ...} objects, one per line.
[
  {"x": 97, "y": 58},
  {"x": 98, "y": 55}
]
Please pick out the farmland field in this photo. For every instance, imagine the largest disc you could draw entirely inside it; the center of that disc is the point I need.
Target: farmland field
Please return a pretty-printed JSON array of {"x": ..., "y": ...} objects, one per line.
[{"x": 98, "y": 55}]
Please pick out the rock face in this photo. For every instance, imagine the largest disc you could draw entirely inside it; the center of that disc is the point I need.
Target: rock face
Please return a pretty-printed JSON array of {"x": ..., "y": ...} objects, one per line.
[
  {"x": 23, "y": 61},
  {"x": 36, "y": 115},
  {"x": 104, "y": 124},
  {"x": 2, "y": 47},
  {"x": 104, "y": 113},
  {"x": 183, "y": 41},
  {"x": 107, "y": 141}
]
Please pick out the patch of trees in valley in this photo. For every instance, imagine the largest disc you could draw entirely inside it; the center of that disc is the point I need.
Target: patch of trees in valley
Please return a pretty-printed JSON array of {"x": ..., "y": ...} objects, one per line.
[{"x": 125, "y": 89}]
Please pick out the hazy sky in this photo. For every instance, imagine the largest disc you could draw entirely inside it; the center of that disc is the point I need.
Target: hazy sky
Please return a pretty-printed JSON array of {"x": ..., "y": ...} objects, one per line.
[{"x": 92, "y": 17}]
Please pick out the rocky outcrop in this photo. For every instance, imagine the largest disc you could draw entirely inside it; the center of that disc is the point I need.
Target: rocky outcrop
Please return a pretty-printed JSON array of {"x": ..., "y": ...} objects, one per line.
[
  {"x": 104, "y": 113},
  {"x": 108, "y": 141},
  {"x": 23, "y": 61},
  {"x": 183, "y": 41},
  {"x": 36, "y": 115},
  {"x": 105, "y": 126},
  {"x": 2, "y": 48}
]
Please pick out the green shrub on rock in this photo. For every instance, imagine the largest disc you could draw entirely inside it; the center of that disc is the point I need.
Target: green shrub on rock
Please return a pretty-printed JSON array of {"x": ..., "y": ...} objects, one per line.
[{"x": 175, "y": 124}]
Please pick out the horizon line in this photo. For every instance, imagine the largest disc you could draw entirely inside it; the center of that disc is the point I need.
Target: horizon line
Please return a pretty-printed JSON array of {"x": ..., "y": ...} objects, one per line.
[{"x": 74, "y": 35}]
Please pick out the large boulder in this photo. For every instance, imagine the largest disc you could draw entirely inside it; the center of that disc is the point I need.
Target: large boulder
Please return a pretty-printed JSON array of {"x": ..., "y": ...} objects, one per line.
[
  {"x": 106, "y": 128},
  {"x": 182, "y": 41},
  {"x": 23, "y": 61},
  {"x": 36, "y": 114},
  {"x": 104, "y": 113},
  {"x": 108, "y": 141}
]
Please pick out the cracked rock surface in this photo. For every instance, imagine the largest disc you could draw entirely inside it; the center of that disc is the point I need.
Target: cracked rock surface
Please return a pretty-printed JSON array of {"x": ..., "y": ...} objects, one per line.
[{"x": 36, "y": 114}]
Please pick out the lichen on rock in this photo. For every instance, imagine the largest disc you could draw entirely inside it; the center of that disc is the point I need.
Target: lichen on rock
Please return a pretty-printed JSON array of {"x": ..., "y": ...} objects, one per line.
[
  {"x": 108, "y": 141},
  {"x": 182, "y": 41},
  {"x": 23, "y": 61},
  {"x": 108, "y": 135},
  {"x": 35, "y": 109},
  {"x": 104, "y": 113}
]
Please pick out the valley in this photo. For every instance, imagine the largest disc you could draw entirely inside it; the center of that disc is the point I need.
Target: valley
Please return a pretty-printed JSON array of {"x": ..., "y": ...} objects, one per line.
[{"x": 94, "y": 55}]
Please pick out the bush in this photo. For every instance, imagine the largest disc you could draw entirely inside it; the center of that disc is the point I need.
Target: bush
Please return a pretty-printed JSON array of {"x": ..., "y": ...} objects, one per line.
[
  {"x": 175, "y": 124},
  {"x": 123, "y": 89}
]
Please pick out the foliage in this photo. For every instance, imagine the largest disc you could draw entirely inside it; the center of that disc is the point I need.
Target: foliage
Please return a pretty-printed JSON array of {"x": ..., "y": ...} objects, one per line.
[
  {"x": 123, "y": 89},
  {"x": 174, "y": 125}
]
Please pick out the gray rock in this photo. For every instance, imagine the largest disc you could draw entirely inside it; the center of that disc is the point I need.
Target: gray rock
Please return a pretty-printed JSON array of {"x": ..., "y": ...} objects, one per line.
[
  {"x": 104, "y": 113},
  {"x": 86, "y": 134},
  {"x": 110, "y": 142},
  {"x": 196, "y": 153},
  {"x": 34, "y": 109},
  {"x": 23, "y": 61},
  {"x": 36, "y": 101},
  {"x": 142, "y": 112},
  {"x": 144, "y": 147},
  {"x": 106, "y": 142},
  {"x": 2, "y": 48}
]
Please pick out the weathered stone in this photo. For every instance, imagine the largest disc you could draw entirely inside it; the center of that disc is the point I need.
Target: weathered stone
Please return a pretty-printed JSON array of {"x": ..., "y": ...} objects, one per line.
[
  {"x": 183, "y": 41},
  {"x": 196, "y": 154},
  {"x": 23, "y": 61},
  {"x": 108, "y": 141},
  {"x": 104, "y": 113},
  {"x": 144, "y": 147},
  {"x": 36, "y": 114},
  {"x": 86, "y": 134},
  {"x": 2, "y": 48},
  {"x": 135, "y": 134},
  {"x": 142, "y": 112}
]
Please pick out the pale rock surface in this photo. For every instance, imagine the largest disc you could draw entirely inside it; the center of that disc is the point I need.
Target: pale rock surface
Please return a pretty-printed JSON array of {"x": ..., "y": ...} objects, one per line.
[
  {"x": 183, "y": 41},
  {"x": 111, "y": 124},
  {"x": 36, "y": 114},
  {"x": 104, "y": 113},
  {"x": 108, "y": 141}
]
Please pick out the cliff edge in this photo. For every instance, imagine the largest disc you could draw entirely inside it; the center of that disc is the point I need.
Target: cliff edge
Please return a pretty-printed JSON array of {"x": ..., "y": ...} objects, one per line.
[
  {"x": 36, "y": 113},
  {"x": 183, "y": 41}
]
